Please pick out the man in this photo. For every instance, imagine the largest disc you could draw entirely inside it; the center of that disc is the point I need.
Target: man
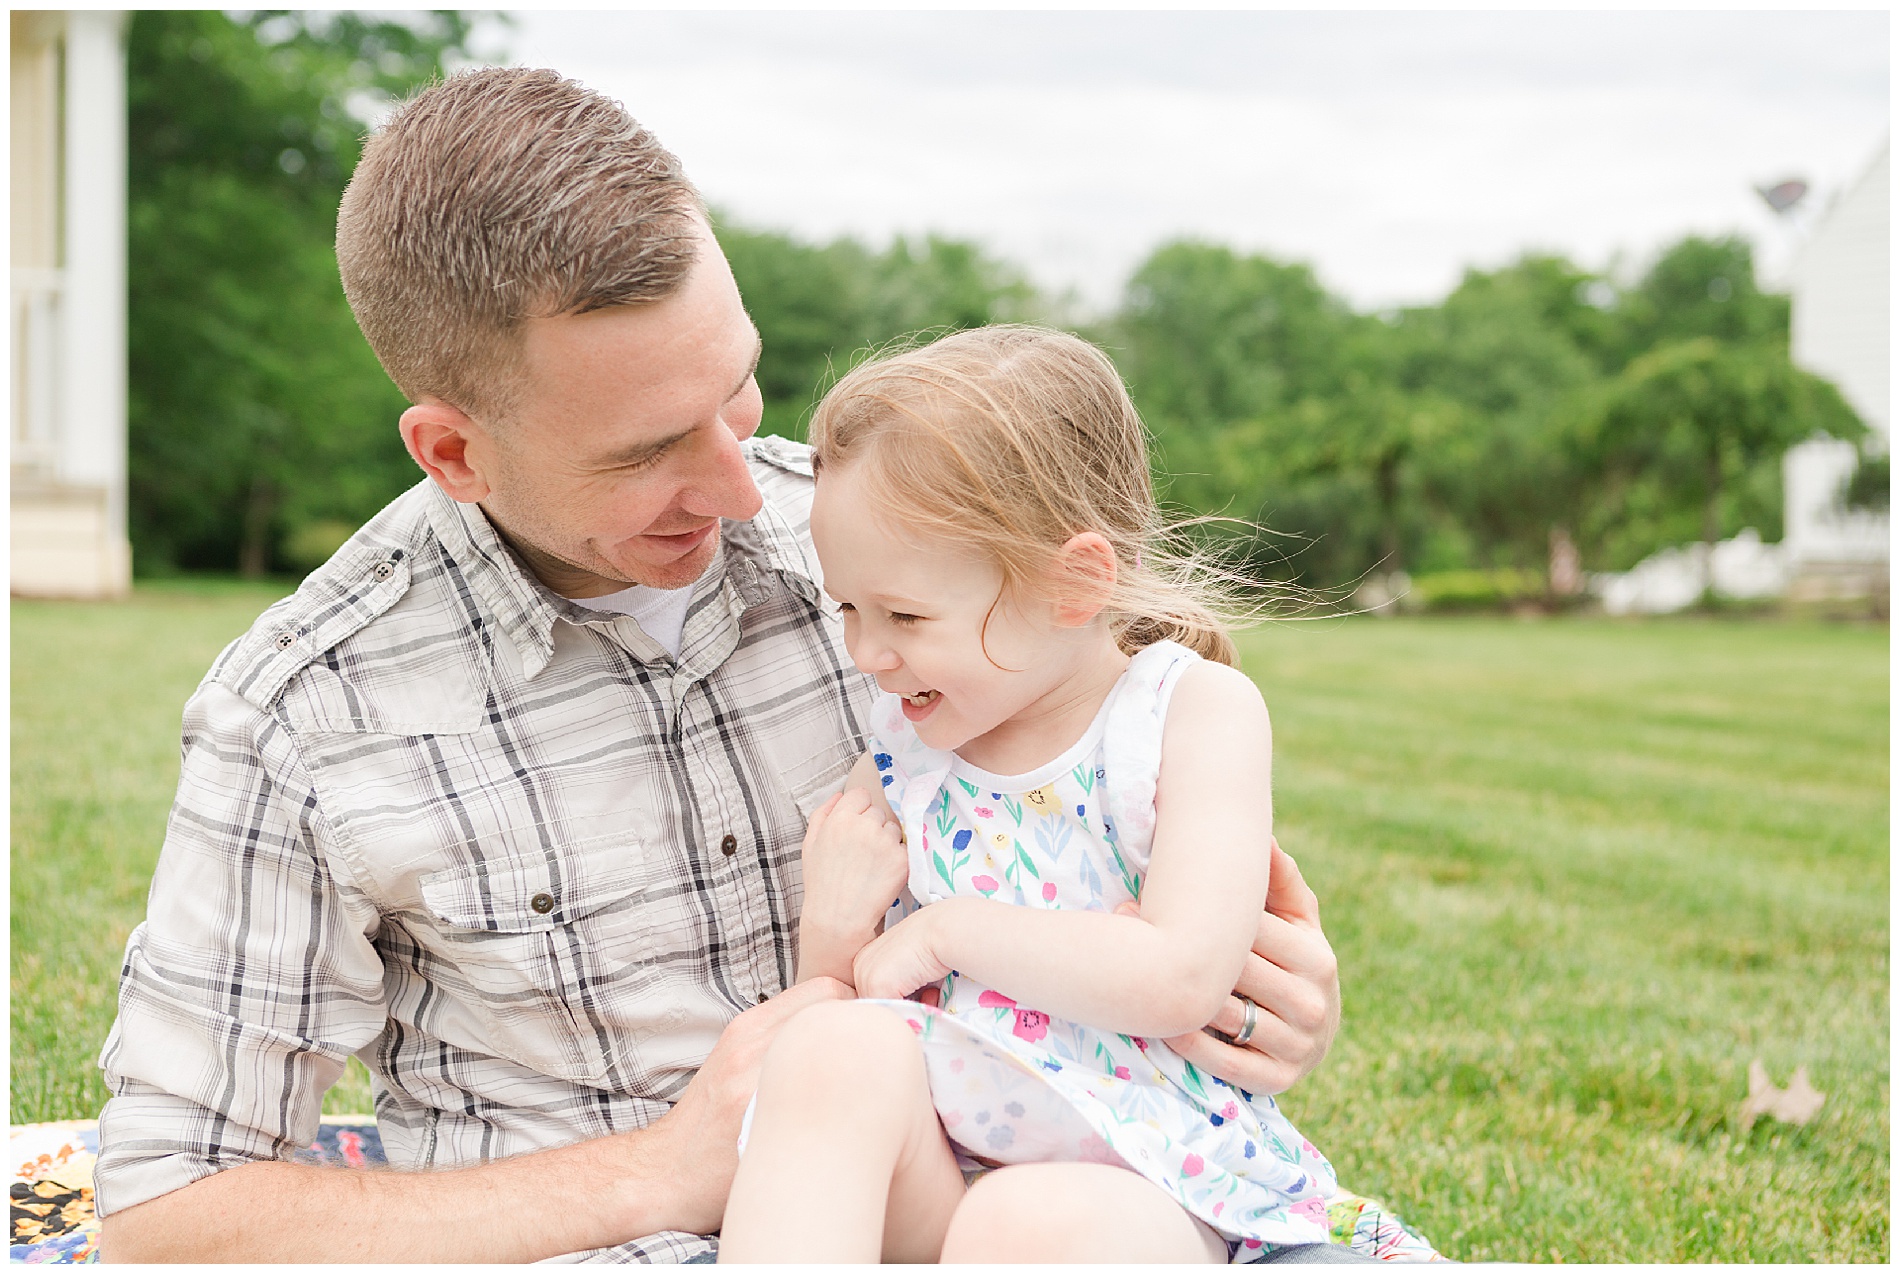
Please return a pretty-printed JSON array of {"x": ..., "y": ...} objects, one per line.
[{"x": 507, "y": 799}]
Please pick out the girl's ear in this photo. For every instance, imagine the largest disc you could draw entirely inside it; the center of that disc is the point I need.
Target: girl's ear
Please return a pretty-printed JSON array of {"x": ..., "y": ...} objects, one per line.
[{"x": 1086, "y": 573}]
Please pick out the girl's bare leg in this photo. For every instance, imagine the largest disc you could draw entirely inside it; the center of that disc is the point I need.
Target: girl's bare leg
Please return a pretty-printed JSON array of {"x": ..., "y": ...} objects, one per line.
[
  {"x": 846, "y": 1160},
  {"x": 1052, "y": 1212}
]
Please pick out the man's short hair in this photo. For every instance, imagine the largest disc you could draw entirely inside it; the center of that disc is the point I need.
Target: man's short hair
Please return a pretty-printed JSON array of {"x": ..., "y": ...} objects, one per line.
[{"x": 498, "y": 196}]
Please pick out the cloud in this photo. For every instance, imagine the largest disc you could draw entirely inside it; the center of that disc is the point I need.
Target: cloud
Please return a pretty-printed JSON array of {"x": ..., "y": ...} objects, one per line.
[{"x": 1390, "y": 150}]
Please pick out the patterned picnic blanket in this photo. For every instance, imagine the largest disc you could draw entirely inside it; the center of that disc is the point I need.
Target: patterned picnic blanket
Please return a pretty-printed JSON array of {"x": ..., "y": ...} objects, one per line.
[{"x": 51, "y": 1189}]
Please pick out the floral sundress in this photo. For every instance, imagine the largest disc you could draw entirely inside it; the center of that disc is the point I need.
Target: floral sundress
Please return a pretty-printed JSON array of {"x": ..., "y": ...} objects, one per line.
[{"x": 1013, "y": 1084}]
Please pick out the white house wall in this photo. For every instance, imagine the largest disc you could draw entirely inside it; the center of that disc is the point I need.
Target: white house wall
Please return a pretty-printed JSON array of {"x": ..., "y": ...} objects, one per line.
[{"x": 1840, "y": 319}]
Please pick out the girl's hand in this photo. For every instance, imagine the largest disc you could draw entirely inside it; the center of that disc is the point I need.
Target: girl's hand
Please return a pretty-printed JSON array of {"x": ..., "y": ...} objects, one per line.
[
  {"x": 903, "y": 957},
  {"x": 855, "y": 866}
]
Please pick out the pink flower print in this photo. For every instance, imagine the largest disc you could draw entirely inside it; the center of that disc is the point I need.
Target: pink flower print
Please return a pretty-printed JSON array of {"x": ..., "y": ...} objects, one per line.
[
  {"x": 956, "y": 1066},
  {"x": 984, "y": 811},
  {"x": 1219, "y": 1206},
  {"x": 1313, "y": 1210},
  {"x": 985, "y": 885},
  {"x": 1092, "y": 1149},
  {"x": 916, "y": 1027},
  {"x": 1031, "y": 1025},
  {"x": 1141, "y": 1044},
  {"x": 992, "y": 1000},
  {"x": 951, "y": 1118},
  {"x": 1121, "y": 1072},
  {"x": 1229, "y": 1111},
  {"x": 1192, "y": 1165},
  {"x": 1048, "y": 891}
]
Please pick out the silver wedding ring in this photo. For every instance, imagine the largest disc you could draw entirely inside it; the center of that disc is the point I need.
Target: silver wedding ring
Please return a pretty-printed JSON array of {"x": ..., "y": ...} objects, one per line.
[{"x": 1250, "y": 1018}]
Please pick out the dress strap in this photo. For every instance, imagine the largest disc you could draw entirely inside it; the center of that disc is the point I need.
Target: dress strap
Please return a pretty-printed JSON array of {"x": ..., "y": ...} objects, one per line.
[{"x": 1131, "y": 747}]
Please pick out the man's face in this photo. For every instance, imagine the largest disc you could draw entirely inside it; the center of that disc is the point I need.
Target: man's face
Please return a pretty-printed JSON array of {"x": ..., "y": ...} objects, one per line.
[{"x": 624, "y": 453}]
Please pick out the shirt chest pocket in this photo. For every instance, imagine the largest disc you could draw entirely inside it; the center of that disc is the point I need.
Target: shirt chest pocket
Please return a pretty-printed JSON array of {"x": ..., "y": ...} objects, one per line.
[{"x": 548, "y": 949}]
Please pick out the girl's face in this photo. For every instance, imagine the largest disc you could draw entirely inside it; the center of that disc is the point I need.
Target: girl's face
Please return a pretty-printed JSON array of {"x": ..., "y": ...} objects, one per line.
[{"x": 914, "y": 618}]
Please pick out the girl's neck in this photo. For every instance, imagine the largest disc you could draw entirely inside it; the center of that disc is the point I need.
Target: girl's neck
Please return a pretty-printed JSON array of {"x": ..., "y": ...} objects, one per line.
[{"x": 1056, "y": 719}]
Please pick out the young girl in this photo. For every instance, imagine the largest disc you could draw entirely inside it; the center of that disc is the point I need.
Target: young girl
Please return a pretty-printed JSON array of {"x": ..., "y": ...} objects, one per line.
[{"x": 1061, "y": 732}]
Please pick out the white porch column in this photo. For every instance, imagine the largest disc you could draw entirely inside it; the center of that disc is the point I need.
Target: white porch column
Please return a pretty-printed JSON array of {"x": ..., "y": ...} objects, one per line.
[{"x": 92, "y": 410}]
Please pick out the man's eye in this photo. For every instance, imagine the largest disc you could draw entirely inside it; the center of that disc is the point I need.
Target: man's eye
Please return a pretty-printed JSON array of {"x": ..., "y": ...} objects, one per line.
[
  {"x": 900, "y": 619},
  {"x": 846, "y": 608}
]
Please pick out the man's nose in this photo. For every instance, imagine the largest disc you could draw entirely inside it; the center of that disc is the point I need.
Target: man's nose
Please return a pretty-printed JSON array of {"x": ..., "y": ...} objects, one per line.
[{"x": 720, "y": 485}]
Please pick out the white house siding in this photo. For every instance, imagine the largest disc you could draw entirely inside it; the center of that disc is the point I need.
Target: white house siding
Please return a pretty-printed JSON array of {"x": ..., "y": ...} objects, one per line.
[
  {"x": 1840, "y": 320},
  {"x": 1840, "y": 285}
]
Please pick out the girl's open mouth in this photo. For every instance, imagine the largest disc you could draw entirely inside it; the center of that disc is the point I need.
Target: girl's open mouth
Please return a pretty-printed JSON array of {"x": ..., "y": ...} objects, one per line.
[{"x": 918, "y": 706}]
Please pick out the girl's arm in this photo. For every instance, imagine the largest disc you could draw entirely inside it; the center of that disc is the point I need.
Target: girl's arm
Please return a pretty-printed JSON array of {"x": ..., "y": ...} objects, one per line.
[
  {"x": 854, "y": 865},
  {"x": 1169, "y": 971}
]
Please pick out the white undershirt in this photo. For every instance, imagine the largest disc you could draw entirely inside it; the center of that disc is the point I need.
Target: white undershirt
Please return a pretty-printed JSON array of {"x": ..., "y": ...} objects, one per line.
[{"x": 660, "y": 612}]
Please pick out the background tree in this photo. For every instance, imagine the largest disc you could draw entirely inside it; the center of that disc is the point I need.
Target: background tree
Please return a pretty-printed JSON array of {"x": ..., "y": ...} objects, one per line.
[
  {"x": 1691, "y": 418},
  {"x": 820, "y": 307},
  {"x": 256, "y": 409}
]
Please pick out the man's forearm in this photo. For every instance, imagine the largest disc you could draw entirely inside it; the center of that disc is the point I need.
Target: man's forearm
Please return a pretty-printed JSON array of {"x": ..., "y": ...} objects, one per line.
[{"x": 299, "y": 1212}]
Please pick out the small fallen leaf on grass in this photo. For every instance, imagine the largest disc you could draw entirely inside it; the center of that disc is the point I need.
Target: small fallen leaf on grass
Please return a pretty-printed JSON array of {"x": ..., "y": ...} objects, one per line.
[{"x": 1795, "y": 1104}]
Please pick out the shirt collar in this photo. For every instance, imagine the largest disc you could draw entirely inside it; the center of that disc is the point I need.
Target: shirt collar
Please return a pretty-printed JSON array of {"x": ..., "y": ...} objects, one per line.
[{"x": 759, "y": 558}]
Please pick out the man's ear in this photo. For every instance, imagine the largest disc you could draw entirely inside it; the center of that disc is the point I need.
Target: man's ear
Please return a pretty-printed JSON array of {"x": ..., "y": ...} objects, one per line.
[
  {"x": 1086, "y": 571},
  {"x": 439, "y": 438}
]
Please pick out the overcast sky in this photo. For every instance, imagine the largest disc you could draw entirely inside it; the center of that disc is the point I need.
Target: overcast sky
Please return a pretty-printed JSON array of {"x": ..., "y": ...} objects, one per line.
[{"x": 1388, "y": 150}]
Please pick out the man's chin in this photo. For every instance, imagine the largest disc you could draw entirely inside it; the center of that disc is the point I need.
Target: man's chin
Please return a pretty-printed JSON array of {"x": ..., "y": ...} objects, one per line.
[{"x": 677, "y": 573}]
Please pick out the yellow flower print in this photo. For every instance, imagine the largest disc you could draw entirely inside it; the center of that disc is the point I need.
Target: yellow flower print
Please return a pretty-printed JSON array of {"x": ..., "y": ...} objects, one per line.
[
  {"x": 1043, "y": 798},
  {"x": 1001, "y": 840}
]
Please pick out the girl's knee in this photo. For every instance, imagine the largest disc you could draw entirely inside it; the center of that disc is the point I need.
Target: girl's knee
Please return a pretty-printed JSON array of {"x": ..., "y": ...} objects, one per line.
[
  {"x": 1031, "y": 1212},
  {"x": 843, "y": 1045}
]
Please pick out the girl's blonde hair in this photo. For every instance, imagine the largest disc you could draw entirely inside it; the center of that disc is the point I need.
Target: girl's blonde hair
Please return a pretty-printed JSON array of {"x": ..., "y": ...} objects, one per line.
[{"x": 1011, "y": 439}]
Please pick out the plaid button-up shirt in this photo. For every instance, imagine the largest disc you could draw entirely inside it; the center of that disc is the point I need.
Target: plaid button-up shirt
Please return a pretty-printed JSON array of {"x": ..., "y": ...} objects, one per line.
[{"x": 505, "y": 849}]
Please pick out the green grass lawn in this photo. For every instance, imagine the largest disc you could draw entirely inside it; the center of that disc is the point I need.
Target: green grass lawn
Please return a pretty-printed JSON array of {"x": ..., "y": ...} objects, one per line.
[{"x": 1578, "y": 874}]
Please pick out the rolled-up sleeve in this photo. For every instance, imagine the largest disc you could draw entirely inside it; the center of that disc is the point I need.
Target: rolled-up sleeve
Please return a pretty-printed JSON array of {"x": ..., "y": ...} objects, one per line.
[{"x": 254, "y": 977}]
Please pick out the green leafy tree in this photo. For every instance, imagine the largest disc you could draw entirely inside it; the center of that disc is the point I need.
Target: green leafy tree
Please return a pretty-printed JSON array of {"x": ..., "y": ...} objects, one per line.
[
  {"x": 1509, "y": 352},
  {"x": 819, "y": 307},
  {"x": 256, "y": 409},
  {"x": 1690, "y": 419},
  {"x": 1700, "y": 287}
]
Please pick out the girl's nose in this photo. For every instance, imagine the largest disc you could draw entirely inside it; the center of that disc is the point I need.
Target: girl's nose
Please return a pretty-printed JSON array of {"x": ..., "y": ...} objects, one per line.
[{"x": 873, "y": 657}]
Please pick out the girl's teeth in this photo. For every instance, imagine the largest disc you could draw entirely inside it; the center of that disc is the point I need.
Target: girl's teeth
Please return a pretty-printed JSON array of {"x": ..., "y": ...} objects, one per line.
[{"x": 921, "y": 697}]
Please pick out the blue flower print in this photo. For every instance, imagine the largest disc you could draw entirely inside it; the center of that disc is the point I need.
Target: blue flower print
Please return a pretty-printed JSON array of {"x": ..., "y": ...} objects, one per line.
[
  {"x": 961, "y": 840},
  {"x": 1000, "y": 1136},
  {"x": 882, "y": 760},
  {"x": 1249, "y": 1152}
]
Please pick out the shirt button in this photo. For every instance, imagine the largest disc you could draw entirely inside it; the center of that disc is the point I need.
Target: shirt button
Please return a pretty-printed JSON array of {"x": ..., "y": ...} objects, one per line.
[
  {"x": 729, "y": 845},
  {"x": 383, "y": 571},
  {"x": 542, "y": 903}
]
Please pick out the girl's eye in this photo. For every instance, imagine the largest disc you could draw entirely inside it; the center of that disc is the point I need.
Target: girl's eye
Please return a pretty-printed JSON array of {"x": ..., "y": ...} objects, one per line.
[{"x": 904, "y": 620}]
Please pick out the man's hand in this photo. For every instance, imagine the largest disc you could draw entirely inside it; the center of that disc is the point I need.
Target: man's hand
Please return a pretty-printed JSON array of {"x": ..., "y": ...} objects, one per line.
[
  {"x": 695, "y": 1146},
  {"x": 854, "y": 867},
  {"x": 1294, "y": 979},
  {"x": 672, "y": 1175}
]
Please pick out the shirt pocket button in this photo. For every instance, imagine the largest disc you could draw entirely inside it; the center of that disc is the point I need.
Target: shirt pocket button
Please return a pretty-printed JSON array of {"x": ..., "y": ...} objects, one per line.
[
  {"x": 542, "y": 903},
  {"x": 729, "y": 845}
]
